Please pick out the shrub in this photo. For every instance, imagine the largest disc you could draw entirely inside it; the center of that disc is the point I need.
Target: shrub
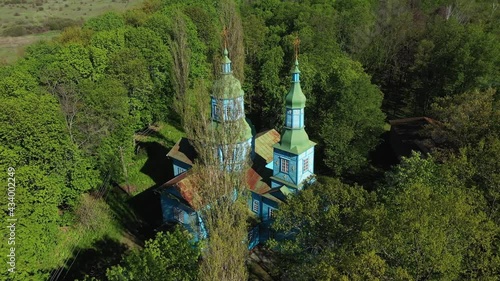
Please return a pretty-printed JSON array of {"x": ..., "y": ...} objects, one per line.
[
  {"x": 15, "y": 31},
  {"x": 59, "y": 23}
]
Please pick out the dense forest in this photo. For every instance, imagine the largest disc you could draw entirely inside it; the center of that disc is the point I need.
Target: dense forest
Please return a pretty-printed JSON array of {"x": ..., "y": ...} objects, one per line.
[{"x": 74, "y": 110}]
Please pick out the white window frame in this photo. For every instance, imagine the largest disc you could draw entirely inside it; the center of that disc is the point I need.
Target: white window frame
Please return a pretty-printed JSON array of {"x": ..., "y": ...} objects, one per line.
[
  {"x": 271, "y": 213},
  {"x": 228, "y": 112},
  {"x": 256, "y": 206},
  {"x": 180, "y": 170},
  {"x": 305, "y": 164},
  {"x": 284, "y": 165},
  {"x": 216, "y": 111}
]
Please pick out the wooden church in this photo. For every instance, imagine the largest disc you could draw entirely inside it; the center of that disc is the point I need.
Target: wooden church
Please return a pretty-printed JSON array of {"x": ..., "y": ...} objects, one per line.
[{"x": 281, "y": 164}]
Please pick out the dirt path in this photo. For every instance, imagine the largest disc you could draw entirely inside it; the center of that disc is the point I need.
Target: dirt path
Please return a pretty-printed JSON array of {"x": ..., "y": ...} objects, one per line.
[
  {"x": 12, "y": 42},
  {"x": 8, "y": 41}
]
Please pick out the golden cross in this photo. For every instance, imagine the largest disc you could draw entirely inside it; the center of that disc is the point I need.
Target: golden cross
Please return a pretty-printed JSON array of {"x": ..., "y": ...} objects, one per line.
[{"x": 296, "y": 45}]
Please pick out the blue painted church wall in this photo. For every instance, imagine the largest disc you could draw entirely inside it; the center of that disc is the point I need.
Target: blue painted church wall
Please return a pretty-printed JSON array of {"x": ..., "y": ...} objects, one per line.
[
  {"x": 291, "y": 175},
  {"x": 261, "y": 232},
  {"x": 305, "y": 159},
  {"x": 264, "y": 206},
  {"x": 176, "y": 212},
  {"x": 232, "y": 109},
  {"x": 179, "y": 167}
]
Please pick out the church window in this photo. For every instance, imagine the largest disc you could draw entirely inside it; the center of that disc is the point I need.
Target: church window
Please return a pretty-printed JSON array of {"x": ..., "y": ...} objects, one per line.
[
  {"x": 228, "y": 113},
  {"x": 255, "y": 206},
  {"x": 238, "y": 108},
  {"x": 306, "y": 164},
  {"x": 284, "y": 165},
  {"x": 179, "y": 170},
  {"x": 271, "y": 213},
  {"x": 178, "y": 214},
  {"x": 288, "y": 118},
  {"x": 216, "y": 112},
  {"x": 296, "y": 118}
]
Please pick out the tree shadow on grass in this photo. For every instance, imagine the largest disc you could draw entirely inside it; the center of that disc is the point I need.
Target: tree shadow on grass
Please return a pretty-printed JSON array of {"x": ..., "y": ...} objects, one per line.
[
  {"x": 137, "y": 217},
  {"x": 93, "y": 261},
  {"x": 147, "y": 205},
  {"x": 158, "y": 166}
]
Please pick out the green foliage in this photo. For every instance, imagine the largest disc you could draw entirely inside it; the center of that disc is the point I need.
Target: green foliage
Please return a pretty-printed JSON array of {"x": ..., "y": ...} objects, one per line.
[
  {"x": 433, "y": 223},
  {"x": 73, "y": 61},
  {"x": 328, "y": 223},
  {"x": 467, "y": 118},
  {"x": 164, "y": 24},
  {"x": 16, "y": 80},
  {"x": 69, "y": 110},
  {"x": 355, "y": 19},
  {"x": 427, "y": 222},
  {"x": 111, "y": 40},
  {"x": 271, "y": 86},
  {"x": 106, "y": 22},
  {"x": 419, "y": 51},
  {"x": 469, "y": 135},
  {"x": 170, "y": 256},
  {"x": 103, "y": 110},
  {"x": 130, "y": 67},
  {"x": 50, "y": 174},
  {"x": 350, "y": 119},
  {"x": 453, "y": 59}
]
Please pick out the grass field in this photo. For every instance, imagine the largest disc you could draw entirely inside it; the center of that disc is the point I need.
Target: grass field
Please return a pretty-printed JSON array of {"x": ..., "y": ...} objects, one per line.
[
  {"x": 150, "y": 165},
  {"x": 11, "y": 48},
  {"x": 36, "y": 12}
]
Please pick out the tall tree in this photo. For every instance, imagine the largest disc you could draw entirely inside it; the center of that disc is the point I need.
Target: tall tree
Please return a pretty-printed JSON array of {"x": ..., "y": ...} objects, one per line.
[
  {"x": 230, "y": 19},
  {"x": 50, "y": 174},
  {"x": 349, "y": 120},
  {"x": 181, "y": 54},
  {"x": 219, "y": 177},
  {"x": 467, "y": 118}
]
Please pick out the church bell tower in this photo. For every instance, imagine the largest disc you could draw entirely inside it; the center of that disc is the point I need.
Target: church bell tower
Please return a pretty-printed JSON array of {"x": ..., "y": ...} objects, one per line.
[{"x": 293, "y": 156}]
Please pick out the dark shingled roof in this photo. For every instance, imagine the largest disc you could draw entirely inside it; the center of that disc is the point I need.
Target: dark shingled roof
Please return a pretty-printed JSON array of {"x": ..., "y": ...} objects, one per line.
[{"x": 406, "y": 135}]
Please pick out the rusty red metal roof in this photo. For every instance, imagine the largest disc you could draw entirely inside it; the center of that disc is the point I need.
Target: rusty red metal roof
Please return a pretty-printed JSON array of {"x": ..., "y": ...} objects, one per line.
[{"x": 186, "y": 188}]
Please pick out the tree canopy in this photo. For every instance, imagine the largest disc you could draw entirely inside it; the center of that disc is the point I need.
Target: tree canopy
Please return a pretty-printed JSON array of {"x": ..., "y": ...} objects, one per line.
[{"x": 71, "y": 109}]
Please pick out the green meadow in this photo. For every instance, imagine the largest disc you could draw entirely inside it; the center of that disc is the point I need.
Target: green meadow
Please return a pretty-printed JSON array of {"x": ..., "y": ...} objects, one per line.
[{"x": 23, "y": 22}]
